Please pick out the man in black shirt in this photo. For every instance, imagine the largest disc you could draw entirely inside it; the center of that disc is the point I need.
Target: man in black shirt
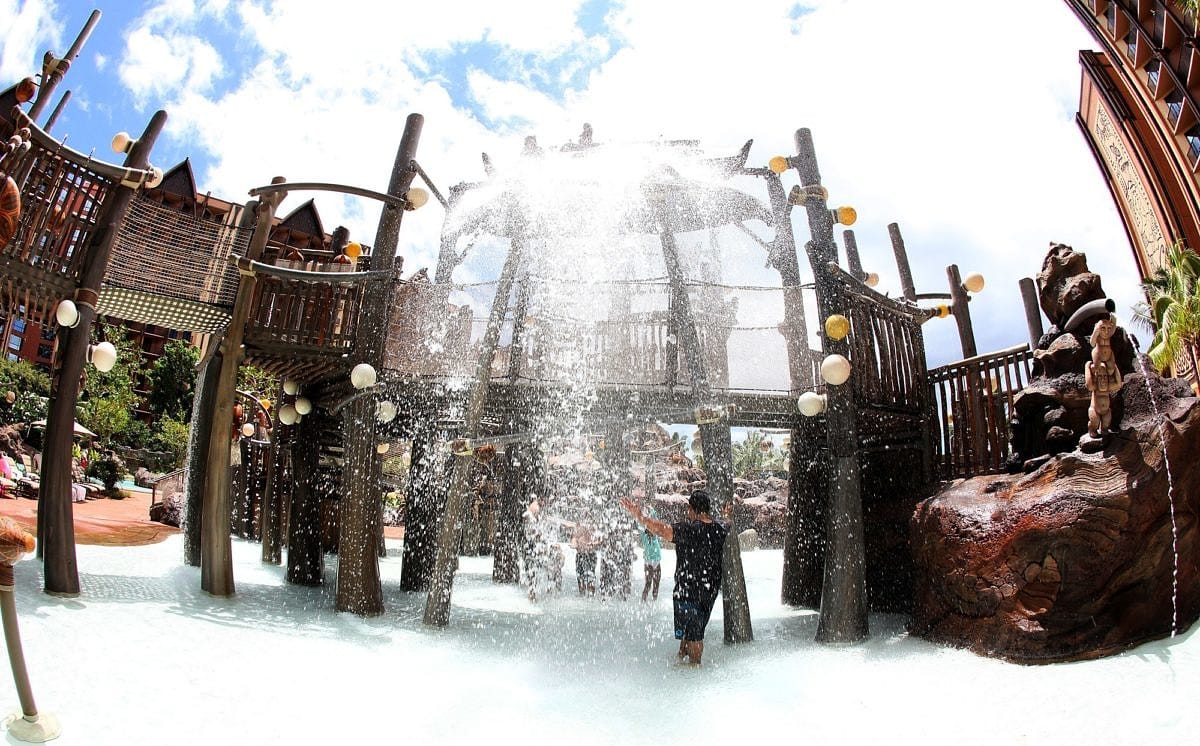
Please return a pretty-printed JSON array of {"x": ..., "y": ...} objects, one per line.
[{"x": 698, "y": 544}]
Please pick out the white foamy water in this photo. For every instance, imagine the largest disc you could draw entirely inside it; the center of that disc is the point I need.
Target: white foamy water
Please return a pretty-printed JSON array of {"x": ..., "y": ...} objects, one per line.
[{"x": 143, "y": 656}]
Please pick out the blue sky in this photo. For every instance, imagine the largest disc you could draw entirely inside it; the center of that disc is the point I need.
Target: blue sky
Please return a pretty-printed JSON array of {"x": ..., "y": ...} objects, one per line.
[{"x": 965, "y": 135}]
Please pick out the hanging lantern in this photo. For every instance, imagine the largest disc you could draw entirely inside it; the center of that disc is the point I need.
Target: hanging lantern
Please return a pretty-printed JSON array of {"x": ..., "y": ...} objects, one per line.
[
  {"x": 362, "y": 376},
  {"x": 811, "y": 403},
  {"x": 837, "y": 326},
  {"x": 835, "y": 369}
]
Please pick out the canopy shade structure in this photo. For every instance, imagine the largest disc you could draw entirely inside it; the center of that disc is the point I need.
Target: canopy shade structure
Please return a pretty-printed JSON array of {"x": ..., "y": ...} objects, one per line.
[{"x": 79, "y": 429}]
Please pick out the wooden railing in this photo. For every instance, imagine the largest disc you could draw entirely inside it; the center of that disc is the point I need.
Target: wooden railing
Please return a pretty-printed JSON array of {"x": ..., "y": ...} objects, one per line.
[
  {"x": 310, "y": 314},
  {"x": 972, "y": 402}
]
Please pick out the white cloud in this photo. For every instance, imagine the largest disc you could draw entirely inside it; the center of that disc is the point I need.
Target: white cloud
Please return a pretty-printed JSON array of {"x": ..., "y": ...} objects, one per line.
[{"x": 30, "y": 29}]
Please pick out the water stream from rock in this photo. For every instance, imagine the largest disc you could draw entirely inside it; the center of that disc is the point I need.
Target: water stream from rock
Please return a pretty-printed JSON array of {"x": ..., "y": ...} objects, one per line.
[{"x": 1162, "y": 426}]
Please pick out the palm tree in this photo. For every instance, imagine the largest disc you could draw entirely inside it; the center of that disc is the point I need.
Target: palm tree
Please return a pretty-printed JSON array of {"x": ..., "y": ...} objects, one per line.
[{"x": 1173, "y": 310}]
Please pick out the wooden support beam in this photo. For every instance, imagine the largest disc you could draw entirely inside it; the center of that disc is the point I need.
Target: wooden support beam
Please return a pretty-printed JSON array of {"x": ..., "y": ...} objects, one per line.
[
  {"x": 197, "y": 455},
  {"x": 305, "y": 558},
  {"x": 959, "y": 306},
  {"x": 56, "y": 526},
  {"x": 844, "y": 598}
]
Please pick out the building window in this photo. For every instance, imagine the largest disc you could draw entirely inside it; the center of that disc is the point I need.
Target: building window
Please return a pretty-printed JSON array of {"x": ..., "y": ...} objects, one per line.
[
  {"x": 1152, "y": 71},
  {"x": 18, "y": 326},
  {"x": 14, "y": 342},
  {"x": 48, "y": 332},
  {"x": 13, "y": 357},
  {"x": 1110, "y": 16},
  {"x": 1174, "y": 106},
  {"x": 1131, "y": 43},
  {"x": 45, "y": 351},
  {"x": 1158, "y": 22},
  {"x": 1193, "y": 141}
]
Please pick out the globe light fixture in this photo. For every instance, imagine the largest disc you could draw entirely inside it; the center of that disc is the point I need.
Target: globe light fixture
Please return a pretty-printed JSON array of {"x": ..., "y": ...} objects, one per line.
[
  {"x": 385, "y": 411},
  {"x": 837, "y": 326},
  {"x": 103, "y": 356},
  {"x": 303, "y": 406},
  {"x": 362, "y": 376},
  {"x": 383, "y": 448},
  {"x": 778, "y": 164},
  {"x": 248, "y": 429},
  {"x": 835, "y": 369},
  {"x": 845, "y": 215},
  {"x": 353, "y": 250},
  {"x": 811, "y": 403},
  {"x": 67, "y": 314},
  {"x": 122, "y": 142},
  {"x": 973, "y": 282},
  {"x": 871, "y": 280},
  {"x": 416, "y": 197},
  {"x": 291, "y": 387},
  {"x": 288, "y": 414},
  {"x": 156, "y": 177}
]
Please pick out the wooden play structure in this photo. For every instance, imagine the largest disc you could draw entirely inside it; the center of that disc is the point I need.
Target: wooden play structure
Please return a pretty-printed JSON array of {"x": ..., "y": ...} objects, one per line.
[{"x": 451, "y": 363}]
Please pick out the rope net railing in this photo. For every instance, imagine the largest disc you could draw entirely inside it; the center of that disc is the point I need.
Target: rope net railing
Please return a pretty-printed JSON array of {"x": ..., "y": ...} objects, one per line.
[
  {"x": 62, "y": 201},
  {"x": 608, "y": 332},
  {"x": 174, "y": 268}
]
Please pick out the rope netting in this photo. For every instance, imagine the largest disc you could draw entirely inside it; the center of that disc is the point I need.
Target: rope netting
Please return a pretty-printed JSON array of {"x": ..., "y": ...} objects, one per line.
[
  {"x": 173, "y": 268},
  {"x": 618, "y": 332}
]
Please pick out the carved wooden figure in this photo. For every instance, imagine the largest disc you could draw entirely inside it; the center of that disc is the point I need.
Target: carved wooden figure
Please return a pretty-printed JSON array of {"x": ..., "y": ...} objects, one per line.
[{"x": 1102, "y": 377}]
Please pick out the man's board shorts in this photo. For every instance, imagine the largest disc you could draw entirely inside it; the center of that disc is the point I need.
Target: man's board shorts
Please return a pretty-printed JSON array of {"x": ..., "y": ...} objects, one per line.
[{"x": 691, "y": 617}]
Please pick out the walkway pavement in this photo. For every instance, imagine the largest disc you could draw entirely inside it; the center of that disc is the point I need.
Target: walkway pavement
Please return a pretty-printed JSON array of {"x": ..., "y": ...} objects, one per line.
[{"x": 103, "y": 521}]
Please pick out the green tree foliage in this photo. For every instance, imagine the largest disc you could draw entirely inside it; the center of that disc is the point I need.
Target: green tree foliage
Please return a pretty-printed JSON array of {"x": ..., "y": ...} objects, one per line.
[
  {"x": 171, "y": 436},
  {"x": 172, "y": 380},
  {"x": 30, "y": 388},
  {"x": 1173, "y": 309},
  {"x": 108, "y": 399},
  {"x": 757, "y": 455},
  {"x": 258, "y": 382}
]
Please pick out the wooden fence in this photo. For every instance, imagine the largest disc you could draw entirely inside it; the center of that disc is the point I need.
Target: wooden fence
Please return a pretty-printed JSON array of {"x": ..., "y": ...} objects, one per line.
[{"x": 973, "y": 402}]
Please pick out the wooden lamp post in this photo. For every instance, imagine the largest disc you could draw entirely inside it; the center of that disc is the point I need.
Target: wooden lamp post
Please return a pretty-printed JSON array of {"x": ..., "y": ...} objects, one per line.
[{"x": 27, "y": 725}]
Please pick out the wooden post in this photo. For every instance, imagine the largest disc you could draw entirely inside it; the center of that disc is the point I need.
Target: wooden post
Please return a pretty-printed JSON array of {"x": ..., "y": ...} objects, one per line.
[
  {"x": 506, "y": 567},
  {"x": 54, "y": 69},
  {"x": 437, "y": 605},
  {"x": 360, "y": 524},
  {"x": 718, "y": 450},
  {"x": 906, "y": 278},
  {"x": 853, "y": 260},
  {"x": 272, "y": 518},
  {"x": 56, "y": 526},
  {"x": 1033, "y": 311},
  {"x": 804, "y": 547},
  {"x": 843, "y": 594},
  {"x": 421, "y": 511},
  {"x": 197, "y": 456},
  {"x": 962, "y": 313},
  {"x": 216, "y": 556},
  {"x": 305, "y": 557}
]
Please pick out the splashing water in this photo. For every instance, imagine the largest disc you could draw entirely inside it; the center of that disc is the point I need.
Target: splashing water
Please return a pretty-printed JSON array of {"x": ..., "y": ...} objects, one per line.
[{"x": 1162, "y": 426}]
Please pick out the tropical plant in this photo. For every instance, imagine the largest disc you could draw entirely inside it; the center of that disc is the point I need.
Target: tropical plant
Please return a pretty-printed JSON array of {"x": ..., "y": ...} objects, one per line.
[
  {"x": 171, "y": 381},
  {"x": 756, "y": 455},
  {"x": 30, "y": 388},
  {"x": 108, "y": 398},
  {"x": 1172, "y": 310},
  {"x": 171, "y": 435}
]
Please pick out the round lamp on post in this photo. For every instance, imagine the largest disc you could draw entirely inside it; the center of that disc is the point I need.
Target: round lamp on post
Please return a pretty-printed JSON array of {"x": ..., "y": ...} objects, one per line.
[
  {"x": 288, "y": 414},
  {"x": 416, "y": 197},
  {"x": 871, "y": 280},
  {"x": 811, "y": 403},
  {"x": 103, "y": 356},
  {"x": 303, "y": 405},
  {"x": 973, "y": 282},
  {"x": 67, "y": 314},
  {"x": 363, "y": 376},
  {"x": 385, "y": 411},
  {"x": 122, "y": 142},
  {"x": 248, "y": 429},
  {"x": 835, "y": 369},
  {"x": 291, "y": 387},
  {"x": 778, "y": 164}
]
